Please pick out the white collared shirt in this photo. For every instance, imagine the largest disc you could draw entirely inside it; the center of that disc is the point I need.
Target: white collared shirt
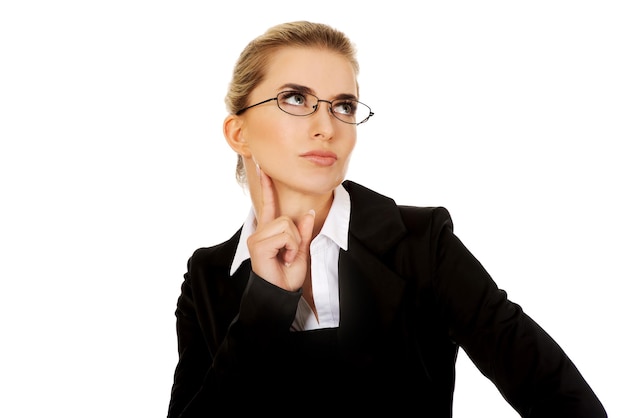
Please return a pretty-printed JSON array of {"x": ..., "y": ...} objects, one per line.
[{"x": 324, "y": 264}]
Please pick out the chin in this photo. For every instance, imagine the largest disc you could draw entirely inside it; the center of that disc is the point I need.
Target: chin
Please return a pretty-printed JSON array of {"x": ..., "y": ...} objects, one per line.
[{"x": 322, "y": 185}]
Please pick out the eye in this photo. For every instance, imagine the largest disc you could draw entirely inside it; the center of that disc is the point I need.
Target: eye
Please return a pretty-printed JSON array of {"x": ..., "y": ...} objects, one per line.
[
  {"x": 292, "y": 98},
  {"x": 345, "y": 107}
]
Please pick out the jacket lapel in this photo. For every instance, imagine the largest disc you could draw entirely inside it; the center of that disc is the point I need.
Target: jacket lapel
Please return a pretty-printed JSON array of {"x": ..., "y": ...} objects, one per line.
[{"x": 370, "y": 292}]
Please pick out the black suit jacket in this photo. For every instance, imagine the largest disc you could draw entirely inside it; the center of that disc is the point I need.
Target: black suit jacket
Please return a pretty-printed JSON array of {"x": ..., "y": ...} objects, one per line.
[{"x": 410, "y": 295}]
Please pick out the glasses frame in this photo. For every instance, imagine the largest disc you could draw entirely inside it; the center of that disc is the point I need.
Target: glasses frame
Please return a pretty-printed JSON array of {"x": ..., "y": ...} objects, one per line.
[{"x": 315, "y": 107}]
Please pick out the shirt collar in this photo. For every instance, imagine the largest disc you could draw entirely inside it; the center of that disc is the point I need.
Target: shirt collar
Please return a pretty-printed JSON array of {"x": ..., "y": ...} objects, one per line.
[{"x": 335, "y": 227}]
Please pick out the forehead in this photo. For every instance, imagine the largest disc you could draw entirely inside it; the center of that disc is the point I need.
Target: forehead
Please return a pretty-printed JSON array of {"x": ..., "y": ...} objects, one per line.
[{"x": 325, "y": 72}]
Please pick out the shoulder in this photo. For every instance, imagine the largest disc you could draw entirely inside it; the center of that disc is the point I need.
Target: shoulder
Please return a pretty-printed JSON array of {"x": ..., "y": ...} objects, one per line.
[
  {"x": 380, "y": 222},
  {"x": 372, "y": 202},
  {"x": 421, "y": 217},
  {"x": 219, "y": 255}
]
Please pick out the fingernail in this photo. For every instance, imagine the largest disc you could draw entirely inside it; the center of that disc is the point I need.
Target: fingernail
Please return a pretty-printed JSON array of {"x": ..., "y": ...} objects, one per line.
[{"x": 312, "y": 212}]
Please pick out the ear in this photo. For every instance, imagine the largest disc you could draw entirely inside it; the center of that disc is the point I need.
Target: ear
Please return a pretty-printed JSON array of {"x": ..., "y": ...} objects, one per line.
[{"x": 233, "y": 132}]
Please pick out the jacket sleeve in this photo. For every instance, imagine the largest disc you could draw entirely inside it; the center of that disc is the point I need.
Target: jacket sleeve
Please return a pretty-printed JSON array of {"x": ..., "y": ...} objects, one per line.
[
  {"x": 528, "y": 367},
  {"x": 205, "y": 380}
]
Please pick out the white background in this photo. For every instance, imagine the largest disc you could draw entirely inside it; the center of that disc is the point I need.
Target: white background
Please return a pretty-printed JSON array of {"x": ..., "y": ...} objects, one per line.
[{"x": 114, "y": 169}]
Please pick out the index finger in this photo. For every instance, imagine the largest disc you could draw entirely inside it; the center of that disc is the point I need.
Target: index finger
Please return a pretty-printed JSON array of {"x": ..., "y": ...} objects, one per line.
[{"x": 268, "y": 202}]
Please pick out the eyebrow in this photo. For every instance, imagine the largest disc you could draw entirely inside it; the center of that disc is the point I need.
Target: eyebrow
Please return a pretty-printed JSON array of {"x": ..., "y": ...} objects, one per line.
[{"x": 304, "y": 89}]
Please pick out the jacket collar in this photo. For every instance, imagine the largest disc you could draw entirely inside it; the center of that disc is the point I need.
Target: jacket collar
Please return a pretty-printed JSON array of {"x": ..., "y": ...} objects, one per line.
[{"x": 375, "y": 220}]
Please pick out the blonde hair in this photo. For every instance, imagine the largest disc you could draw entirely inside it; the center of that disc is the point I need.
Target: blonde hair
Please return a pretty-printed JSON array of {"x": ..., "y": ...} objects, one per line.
[{"x": 250, "y": 68}]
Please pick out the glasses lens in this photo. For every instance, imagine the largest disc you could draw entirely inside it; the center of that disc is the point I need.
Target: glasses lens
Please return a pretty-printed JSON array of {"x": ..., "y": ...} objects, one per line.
[
  {"x": 351, "y": 111},
  {"x": 296, "y": 103}
]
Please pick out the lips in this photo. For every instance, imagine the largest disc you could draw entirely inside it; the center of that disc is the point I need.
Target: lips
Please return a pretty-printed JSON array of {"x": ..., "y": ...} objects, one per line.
[{"x": 321, "y": 158}]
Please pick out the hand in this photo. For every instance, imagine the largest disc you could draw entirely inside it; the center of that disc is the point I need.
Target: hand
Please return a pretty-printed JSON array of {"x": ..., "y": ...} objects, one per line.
[{"x": 279, "y": 248}]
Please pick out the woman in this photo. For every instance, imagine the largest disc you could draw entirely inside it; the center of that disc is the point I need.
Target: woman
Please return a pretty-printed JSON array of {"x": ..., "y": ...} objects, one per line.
[{"x": 331, "y": 295}]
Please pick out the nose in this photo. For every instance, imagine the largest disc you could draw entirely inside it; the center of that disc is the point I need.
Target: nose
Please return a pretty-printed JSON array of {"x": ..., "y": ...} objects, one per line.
[{"x": 324, "y": 122}]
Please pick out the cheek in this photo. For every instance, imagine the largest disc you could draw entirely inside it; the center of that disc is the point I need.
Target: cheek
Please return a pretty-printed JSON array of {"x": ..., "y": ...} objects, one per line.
[
  {"x": 350, "y": 142},
  {"x": 266, "y": 134}
]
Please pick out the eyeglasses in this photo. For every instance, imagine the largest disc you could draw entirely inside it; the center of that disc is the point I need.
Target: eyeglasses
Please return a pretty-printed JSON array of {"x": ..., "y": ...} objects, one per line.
[{"x": 303, "y": 104}]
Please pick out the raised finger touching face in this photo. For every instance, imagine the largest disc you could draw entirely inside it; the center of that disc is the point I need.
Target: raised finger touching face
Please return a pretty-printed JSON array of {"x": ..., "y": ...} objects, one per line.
[{"x": 268, "y": 199}]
